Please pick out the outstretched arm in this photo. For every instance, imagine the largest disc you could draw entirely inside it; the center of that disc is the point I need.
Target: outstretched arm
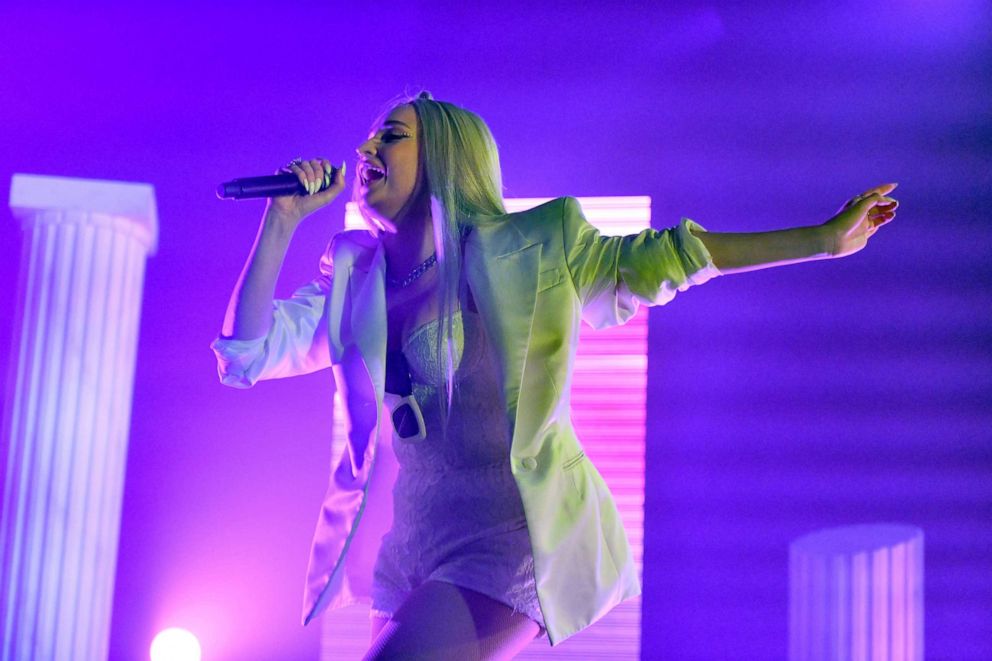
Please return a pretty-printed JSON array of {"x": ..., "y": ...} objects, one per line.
[{"x": 844, "y": 234}]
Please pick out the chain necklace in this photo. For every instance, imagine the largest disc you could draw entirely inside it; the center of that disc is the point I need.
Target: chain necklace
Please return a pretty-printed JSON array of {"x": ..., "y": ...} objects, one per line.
[{"x": 417, "y": 271}]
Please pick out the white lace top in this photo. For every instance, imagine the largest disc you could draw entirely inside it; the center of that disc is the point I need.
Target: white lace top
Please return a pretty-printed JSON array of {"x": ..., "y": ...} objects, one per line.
[{"x": 457, "y": 516}]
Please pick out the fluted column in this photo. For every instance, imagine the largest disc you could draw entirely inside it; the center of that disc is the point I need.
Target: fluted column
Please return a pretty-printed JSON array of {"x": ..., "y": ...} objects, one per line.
[
  {"x": 857, "y": 593},
  {"x": 68, "y": 413}
]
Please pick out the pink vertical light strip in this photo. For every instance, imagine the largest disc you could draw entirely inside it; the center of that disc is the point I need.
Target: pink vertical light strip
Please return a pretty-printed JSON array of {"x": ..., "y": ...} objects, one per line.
[
  {"x": 897, "y": 593},
  {"x": 609, "y": 395},
  {"x": 880, "y": 603}
]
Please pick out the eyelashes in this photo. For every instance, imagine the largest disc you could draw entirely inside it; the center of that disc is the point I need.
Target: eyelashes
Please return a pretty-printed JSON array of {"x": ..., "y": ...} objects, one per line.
[
  {"x": 393, "y": 137},
  {"x": 388, "y": 137}
]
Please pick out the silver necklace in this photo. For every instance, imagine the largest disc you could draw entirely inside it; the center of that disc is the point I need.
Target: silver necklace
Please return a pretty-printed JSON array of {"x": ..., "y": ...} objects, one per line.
[{"x": 417, "y": 271}]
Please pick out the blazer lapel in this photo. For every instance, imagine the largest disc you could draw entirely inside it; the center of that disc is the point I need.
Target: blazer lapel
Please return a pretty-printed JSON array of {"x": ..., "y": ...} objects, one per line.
[
  {"x": 358, "y": 334},
  {"x": 503, "y": 276},
  {"x": 368, "y": 314}
]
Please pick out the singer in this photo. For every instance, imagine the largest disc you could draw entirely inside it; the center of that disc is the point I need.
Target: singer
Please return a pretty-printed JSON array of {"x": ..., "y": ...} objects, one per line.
[{"x": 451, "y": 327}]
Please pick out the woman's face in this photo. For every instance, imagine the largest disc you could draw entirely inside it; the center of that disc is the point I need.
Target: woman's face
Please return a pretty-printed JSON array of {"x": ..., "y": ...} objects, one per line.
[{"x": 388, "y": 166}]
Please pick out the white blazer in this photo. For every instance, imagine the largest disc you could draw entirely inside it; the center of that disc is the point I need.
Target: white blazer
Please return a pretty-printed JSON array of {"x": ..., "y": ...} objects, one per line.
[{"x": 533, "y": 276}]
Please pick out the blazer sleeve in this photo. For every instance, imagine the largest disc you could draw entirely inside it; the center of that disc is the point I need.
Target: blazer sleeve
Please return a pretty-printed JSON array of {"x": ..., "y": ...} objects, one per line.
[
  {"x": 296, "y": 342},
  {"x": 613, "y": 275}
]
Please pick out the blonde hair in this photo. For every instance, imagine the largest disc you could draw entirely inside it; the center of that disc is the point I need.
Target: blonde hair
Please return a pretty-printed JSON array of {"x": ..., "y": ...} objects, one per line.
[{"x": 460, "y": 162}]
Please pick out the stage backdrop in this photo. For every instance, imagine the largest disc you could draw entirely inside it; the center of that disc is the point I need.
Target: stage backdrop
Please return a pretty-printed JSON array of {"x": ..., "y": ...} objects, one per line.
[{"x": 778, "y": 402}]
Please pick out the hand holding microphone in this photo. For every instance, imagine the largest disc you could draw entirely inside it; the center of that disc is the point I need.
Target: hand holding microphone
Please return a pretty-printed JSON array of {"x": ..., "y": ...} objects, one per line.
[
  {"x": 294, "y": 192},
  {"x": 283, "y": 182}
]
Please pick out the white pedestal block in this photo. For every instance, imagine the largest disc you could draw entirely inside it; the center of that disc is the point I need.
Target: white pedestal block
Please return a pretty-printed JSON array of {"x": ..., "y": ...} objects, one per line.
[
  {"x": 857, "y": 593},
  {"x": 68, "y": 411}
]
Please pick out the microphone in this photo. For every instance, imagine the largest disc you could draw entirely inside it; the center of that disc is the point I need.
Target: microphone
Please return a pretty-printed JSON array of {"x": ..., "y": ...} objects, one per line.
[{"x": 272, "y": 185}]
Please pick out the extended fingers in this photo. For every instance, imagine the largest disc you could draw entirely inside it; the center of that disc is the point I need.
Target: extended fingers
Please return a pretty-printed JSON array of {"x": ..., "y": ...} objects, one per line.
[
  {"x": 882, "y": 213},
  {"x": 874, "y": 202},
  {"x": 882, "y": 189},
  {"x": 878, "y": 217}
]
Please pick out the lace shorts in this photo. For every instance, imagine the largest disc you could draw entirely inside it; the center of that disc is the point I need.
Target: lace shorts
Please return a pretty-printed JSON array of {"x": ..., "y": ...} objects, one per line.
[{"x": 498, "y": 565}]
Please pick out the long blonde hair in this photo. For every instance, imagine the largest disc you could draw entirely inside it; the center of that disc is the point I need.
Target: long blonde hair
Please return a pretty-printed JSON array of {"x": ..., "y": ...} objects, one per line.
[{"x": 460, "y": 160}]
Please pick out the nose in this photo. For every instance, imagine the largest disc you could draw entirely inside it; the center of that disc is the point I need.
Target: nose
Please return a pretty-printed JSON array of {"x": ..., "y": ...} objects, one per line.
[{"x": 366, "y": 148}]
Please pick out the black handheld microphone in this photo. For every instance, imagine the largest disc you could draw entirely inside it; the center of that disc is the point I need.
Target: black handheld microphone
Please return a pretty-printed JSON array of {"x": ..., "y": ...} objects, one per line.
[{"x": 273, "y": 185}]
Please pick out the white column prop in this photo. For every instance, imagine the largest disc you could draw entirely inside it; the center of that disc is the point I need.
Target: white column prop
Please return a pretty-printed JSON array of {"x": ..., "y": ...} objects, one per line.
[
  {"x": 68, "y": 409},
  {"x": 857, "y": 593}
]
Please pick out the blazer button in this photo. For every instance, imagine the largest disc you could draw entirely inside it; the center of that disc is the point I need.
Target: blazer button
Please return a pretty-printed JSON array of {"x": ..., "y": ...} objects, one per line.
[{"x": 528, "y": 463}]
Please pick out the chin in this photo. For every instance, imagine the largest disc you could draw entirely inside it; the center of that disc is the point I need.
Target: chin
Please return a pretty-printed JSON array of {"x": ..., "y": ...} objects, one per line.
[{"x": 375, "y": 201}]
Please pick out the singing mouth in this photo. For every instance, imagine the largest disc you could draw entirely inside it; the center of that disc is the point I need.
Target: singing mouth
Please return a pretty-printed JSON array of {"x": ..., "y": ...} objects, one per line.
[{"x": 371, "y": 173}]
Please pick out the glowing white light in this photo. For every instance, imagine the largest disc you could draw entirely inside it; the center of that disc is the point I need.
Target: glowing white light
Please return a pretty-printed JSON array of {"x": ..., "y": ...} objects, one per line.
[{"x": 175, "y": 645}]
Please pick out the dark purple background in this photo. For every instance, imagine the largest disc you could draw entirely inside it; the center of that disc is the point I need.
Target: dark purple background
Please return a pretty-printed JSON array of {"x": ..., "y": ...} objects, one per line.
[{"x": 780, "y": 401}]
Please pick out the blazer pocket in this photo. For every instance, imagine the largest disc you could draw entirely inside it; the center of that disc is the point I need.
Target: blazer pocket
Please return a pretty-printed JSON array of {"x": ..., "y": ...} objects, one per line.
[
  {"x": 576, "y": 477},
  {"x": 573, "y": 461},
  {"x": 548, "y": 279}
]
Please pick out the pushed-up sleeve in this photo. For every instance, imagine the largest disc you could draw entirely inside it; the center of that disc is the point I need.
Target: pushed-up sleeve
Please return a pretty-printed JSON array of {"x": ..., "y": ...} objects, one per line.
[
  {"x": 296, "y": 342},
  {"x": 613, "y": 275}
]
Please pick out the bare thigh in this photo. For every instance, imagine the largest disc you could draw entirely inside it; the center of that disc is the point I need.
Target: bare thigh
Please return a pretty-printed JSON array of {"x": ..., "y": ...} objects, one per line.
[{"x": 443, "y": 621}]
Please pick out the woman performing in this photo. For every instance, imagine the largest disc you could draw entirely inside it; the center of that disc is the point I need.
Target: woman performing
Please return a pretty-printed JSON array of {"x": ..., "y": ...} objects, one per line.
[{"x": 462, "y": 320}]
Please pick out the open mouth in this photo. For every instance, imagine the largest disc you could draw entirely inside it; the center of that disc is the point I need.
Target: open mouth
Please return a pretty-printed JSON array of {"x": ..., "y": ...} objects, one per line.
[{"x": 372, "y": 174}]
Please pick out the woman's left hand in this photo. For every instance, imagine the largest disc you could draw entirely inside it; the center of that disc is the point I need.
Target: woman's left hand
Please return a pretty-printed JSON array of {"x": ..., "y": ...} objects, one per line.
[{"x": 858, "y": 220}]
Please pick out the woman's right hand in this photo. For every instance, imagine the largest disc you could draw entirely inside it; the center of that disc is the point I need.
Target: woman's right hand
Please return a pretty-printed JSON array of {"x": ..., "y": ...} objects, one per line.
[{"x": 323, "y": 182}]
